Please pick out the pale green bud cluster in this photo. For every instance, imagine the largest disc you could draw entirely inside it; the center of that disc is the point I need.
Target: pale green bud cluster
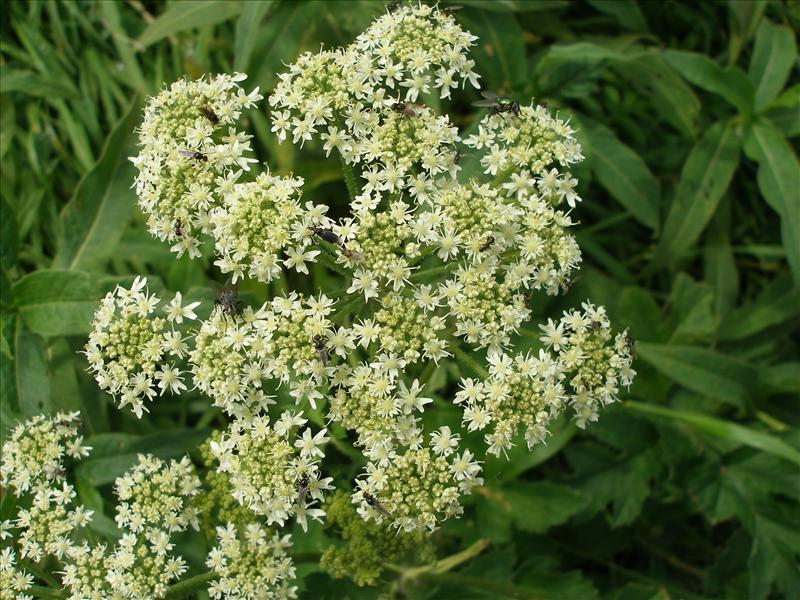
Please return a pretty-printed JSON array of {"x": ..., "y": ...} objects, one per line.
[
  {"x": 407, "y": 333},
  {"x": 34, "y": 457},
  {"x": 258, "y": 221},
  {"x": 14, "y": 582},
  {"x": 141, "y": 568},
  {"x": 251, "y": 565},
  {"x": 269, "y": 466},
  {"x": 369, "y": 545},
  {"x": 379, "y": 407},
  {"x": 85, "y": 576},
  {"x": 420, "y": 486},
  {"x": 227, "y": 362},
  {"x": 49, "y": 522},
  {"x": 190, "y": 154},
  {"x": 129, "y": 348},
  {"x": 157, "y": 494}
]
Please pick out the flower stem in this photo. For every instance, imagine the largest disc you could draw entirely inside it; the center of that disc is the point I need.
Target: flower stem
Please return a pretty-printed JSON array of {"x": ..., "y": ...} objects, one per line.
[
  {"x": 349, "y": 178},
  {"x": 187, "y": 586},
  {"x": 40, "y": 591}
]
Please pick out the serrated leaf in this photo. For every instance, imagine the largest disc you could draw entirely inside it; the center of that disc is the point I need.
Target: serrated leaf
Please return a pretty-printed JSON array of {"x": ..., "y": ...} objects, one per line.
[
  {"x": 188, "y": 14},
  {"x": 779, "y": 182},
  {"x": 705, "y": 177},
  {"x": 623, "y": 173},
  {"x": 723, "y": 429},
  {"x": 536, "y": 507},
  {"x": 703, "y": 371},
  {"x": 729, "y": 83},
  {"x": 774, "y": 54},
  {"x": 93, "y": 220}
]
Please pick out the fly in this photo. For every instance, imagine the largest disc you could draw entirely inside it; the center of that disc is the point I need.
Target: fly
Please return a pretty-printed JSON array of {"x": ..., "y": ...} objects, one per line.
[
  {"x": 404, "y": 108},
  {"x": 322, "y": 353},
  {"x": 209, "y": 114},
  {"x": 498, "y": 104},
  {"x": 228, "y": 299},
  {"x": 302, "y": 489},
  {"x": 487, "y": 244},
  {"x": 193, "y": 154},
  {"x": 327, "y": 235},
  {"x": 373, "y": 502}
]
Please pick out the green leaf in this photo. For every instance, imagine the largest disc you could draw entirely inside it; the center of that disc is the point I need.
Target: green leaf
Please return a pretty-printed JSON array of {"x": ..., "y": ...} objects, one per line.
[
  {"x": 94, "y": 219},
  {"x": 247, "y": 31},
  {"x": 703, "y": 371},
  {"x": 774, "y": 55},
  {"x": 730, "y": 83},
  {"x": 727, "y": 430},
  {"x": 627, "y": 12},
  {"x": 779, "y": 182},
  {"x": 705, "y": 177},
  {"x": 760, "y": 315},
  {"x": 624, "y": 484},
  {"x": 53, "y": 302},
  {"x": 743, "y": 18},
  {"x": 188, "y": 14},
  {"x": 623, "y": 173},
  {"x": 9, "y": 238},
  {"x": 536, "y": 507},
  {"x": 500, "y": 53},
  {"x": 33, "y": 84}
]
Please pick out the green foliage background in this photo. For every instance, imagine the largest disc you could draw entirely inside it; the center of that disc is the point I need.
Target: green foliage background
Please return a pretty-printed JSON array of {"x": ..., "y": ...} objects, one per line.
[{"x": 689, "y": 115}]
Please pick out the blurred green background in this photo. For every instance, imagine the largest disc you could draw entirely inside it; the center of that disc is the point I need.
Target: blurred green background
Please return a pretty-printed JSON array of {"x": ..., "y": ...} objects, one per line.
[{"x": 688, "y": 114}]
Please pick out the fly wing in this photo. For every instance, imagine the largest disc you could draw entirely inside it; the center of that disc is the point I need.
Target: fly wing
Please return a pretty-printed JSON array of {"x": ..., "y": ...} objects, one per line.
[
  {"x": 489, "y": 95},
  {"x": 186, "y": 153},
  {"x": 486, "y": 103}
]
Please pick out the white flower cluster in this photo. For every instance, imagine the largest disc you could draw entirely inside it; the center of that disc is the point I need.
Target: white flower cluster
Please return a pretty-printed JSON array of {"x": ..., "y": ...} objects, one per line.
[
  {"x": 129, "y": 349},
  {"x": 271, "y": 472},
  {"x": 359, "y": 99},
  {"x": 419, "y": 486},
  {"x": 156, "y": 495},
  {"x": 261, "y": 219},
  {"x": 581, "y": 368},
  {"x": 139, "y": 566},
  {"x": 190, "y": 154},
  {"x": 251, "y": 565}
]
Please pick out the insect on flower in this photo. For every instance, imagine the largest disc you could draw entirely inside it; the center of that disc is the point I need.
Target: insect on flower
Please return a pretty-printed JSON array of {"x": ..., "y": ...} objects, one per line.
[
  {"x": 498, "y": 104},
  {"x": 193, "y": 154},
  {"x": 327, "y": 235},
  {"x": 630, "y": 345},
  {"x": 373, "y": 502},
  {"x": 407, "y": 109},
  {"x": 178, "y": 229},
  {"x": 319, "y": 346},
  {"x": 393, "y": 6},
  {"x": 302, "y": 489},
  {"x": 227, "y": 298},
  {"x": 208, "y": 113},
  {"x": 451, "y": 9},
  {"x": 487, "y": 244},
  {"x": 351, "y": 254}
]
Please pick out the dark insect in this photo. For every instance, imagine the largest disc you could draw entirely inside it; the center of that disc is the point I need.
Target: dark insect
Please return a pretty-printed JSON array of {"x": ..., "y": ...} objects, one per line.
[
  {"x": 228, "y": 299},
  {"x": 498, "y": 104},
  {"x": 630, "y": 344},
  {"x": 351, "y": 254},
  {"x": 451, "y": 9},
  {"x": 193, "y": 154},
  {"x": 404, "y": 108},
  {"x": 567, "y": 285},
  {"x": 209, "y": 114},
  {"x": 373, "y": 502},
  {"x": 594, "y": 326},
  {"x": 327, "y": 235},
  {"x": 54, "y": 471},
  {"x": 178, "y": 228},
  {"x": 487, "y": 244},
  {"x": 319, "y": 346},
  {"x": 302, "y": 489},
  {"x": 457, "y": 156},
  {"x": 393, "y": 6}
]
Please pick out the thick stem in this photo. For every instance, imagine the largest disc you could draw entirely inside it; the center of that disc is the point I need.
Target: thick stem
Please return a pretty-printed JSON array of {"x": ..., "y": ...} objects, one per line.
[
  {"x": 39, "y": 591},
  {"x": 193, "y": 584},
  {"x": 349, "y": 179}
]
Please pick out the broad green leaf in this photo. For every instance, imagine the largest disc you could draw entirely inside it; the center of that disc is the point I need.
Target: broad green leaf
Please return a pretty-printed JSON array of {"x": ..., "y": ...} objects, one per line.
[
  {"x": 562, "y": 65},
  {"x": 536, "y": 507},
  {"x": 761, "y": 315},
  {"x": 623, "y": 173},
  {"x": 500, "y": 52},
  {"x": 704, "y": 179},
  {"x": 33, "y": 84},
  {"x": 774, "y": 55},
  {"x": 53, "y": 302},
  {"x": 703, "y": 371},
  {"x": 624, "y": 484},
  {"x": 9, "y": 241},
  {"x": 247, "y": 31},
  {"x": 188, "y": 14},
  {"x": 730, "y": 83},
  {"x": 779, "y": 182},
  {"x": 93, "y": 221},
  {"x": 113, "y": 454},
  {"x": 743, "y": 18},
  {"x": 721, "y": 428},
  {"x": 627, "y": 12}
]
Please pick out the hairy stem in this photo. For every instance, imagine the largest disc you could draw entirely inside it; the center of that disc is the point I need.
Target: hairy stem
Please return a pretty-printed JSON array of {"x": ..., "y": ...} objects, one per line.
[{"x": 349, "y": 179}]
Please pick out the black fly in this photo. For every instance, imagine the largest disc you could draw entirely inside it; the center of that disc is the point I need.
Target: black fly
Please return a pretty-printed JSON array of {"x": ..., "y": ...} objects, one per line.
[
  {"x": 498, "y": 104},
  {"x": 630, "y": 345},
  {"x": 193, "y": 154},
  {"x": 302, "y": 489},
  {"x": 209, "y": 114},
  {"x": 487, "y": 244},
  {"x": 327, "y": 235},
  {"x": 319, "y": 346},
  {"x": 404, "y": 108},
  {"x": 351, "y": 254},
  {"x": 373, "y": 502},
  {"x": 178, "y": 228},
  {"x": 228, "y": 299}
]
